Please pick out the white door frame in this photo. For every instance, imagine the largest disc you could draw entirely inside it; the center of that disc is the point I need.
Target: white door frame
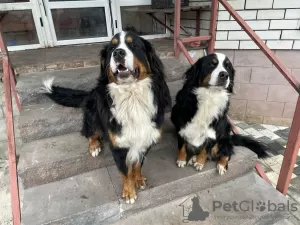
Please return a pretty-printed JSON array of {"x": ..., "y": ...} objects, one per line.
[
  {"x": 76, "y": 4},
  {"x": 41, "y": 12},
  {"x": 119, "y": 3},
  {"x": 36, "y": 14}
]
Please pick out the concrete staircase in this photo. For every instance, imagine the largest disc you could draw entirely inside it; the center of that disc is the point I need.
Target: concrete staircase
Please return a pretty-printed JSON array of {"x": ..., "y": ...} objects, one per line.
[{"x": 64, "y": 185}]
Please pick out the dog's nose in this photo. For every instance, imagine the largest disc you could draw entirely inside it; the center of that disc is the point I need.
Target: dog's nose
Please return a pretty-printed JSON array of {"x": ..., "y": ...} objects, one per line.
[
  {"x": 119, "y": 54},
  {"x": 224, "y": 75}
]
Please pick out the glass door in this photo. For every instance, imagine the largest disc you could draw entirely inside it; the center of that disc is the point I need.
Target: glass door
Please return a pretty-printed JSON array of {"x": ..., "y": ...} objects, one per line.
[
  {"x": 77, "y": 21},
  {"x": 20, "y": 22},
  {"x": 131, "y": 15}
]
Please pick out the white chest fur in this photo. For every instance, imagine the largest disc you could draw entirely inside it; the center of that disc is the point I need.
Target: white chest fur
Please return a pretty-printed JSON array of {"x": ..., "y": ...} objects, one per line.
[
  {"x": 133, "y": 107},
  {"x": 211, "y": 103}
]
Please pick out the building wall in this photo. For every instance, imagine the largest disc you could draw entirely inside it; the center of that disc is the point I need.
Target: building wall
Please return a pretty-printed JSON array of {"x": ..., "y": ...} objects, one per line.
[
  {"x": 277, "y": 22},
  {"x": 262, "y": 95}
]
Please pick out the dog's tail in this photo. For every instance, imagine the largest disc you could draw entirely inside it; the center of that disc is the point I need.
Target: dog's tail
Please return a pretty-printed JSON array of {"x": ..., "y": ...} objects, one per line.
[
  {"x": 64, "y": 96},
  {"x": 257, "y": 147}
]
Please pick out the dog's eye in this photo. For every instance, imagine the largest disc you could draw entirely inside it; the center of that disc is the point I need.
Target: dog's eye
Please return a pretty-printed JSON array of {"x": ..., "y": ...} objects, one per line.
[
  {"x": 226, "y": 64},
  {"x": 133, "y": 45},
  {"x": 111, "y": 48},
  {"x": 214, "y": 61}
]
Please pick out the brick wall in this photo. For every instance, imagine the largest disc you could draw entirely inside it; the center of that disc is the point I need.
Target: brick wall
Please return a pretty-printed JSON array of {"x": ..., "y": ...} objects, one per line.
[
  {"x": 262, "y": 95},
  {"x": 277, "y": 22}
]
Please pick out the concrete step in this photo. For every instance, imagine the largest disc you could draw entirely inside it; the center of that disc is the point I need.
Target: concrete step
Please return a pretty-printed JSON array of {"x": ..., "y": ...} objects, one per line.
[
  {"x": 52, "y": 159},
  {"x": 29, "y": 85},
  {"x": 93, "y": 198},
  {"x": 49, "y": 119},
  {"x": 249, "y": 188}
]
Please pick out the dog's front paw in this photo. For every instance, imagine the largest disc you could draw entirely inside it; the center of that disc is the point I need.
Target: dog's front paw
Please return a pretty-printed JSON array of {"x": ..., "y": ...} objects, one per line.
[
  {"x": 181, "y": 163},
  {"x": 140, "y": 182},
  {"x": 95, "y": 152},
  {"x": 198, "y": 166},
  {"x": 192, "y": 161},
  {"x": 221, "y": 169},
  {"x": 129, "y": 196}
]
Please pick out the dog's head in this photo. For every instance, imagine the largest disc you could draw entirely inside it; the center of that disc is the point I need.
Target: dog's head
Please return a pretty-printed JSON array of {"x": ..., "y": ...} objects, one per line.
[
  {"x": 214, "y": 70},
  {"x": 129, "y": 58}
]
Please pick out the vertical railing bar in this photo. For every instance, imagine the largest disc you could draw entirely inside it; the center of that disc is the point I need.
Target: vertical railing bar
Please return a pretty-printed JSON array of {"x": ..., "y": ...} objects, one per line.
[{"x": 13, "y": 177}]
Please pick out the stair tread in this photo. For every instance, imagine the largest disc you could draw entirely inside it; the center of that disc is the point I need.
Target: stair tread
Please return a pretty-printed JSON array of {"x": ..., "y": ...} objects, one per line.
[
  {"x": 29, "y": 86},
  {"x": 249, "y": 187},
  {"x": 56, "y": 158},
  {"x": 49, "y": 119},
  {"x": 89, "y": 193},
  {"x": 72, "y": 195},
  {"x": 37, "y": 111}
]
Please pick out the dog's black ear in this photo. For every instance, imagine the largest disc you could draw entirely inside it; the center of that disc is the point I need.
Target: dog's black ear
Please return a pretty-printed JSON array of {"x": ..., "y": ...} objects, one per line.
[
  {"x": 231, "y": 77},
  {"x": 158, "y": 75},
  {"x": 193, "y": 76},
  {"x": 103, "y": 59},
  {"x": 155, "y": 63}
]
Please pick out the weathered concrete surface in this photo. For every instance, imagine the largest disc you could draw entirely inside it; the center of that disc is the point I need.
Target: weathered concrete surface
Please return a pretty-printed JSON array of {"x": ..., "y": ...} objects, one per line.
[
  {"x": 88, "y": 198},
  {"x": 51, "y": 159},
  {"x": 248, "y": 188},
  {"x": 82, "y": 199},
  {"x": 166, "y": 182},
  {"x": 49, "y": 119},
  {"x": 29, "y": 86},
  {"x": 56, "y": 158}
]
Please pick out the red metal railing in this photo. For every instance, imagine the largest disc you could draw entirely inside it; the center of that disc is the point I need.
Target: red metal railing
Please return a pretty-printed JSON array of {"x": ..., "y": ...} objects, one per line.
[
  {"x": 293, "y": 140},
  {"x": 293, "y": 144},
  {"x": 9, "y": 84}
]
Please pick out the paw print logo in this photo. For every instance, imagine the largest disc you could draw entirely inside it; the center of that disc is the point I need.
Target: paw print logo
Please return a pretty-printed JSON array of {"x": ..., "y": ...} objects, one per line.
[{"x": 261, "y": 206}]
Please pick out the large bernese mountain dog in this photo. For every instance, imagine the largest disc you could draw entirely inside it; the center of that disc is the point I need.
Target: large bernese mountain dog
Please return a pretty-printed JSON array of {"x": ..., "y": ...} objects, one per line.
[
  {"x": 126, "y": 107},
  {"x": 200, "y": 115}
]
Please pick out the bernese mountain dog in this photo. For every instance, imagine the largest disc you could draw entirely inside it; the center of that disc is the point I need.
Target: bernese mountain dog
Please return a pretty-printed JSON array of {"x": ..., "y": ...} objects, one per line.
[
  {"x": 126, "y": 107},
  {"x": 200, "y": 115}
]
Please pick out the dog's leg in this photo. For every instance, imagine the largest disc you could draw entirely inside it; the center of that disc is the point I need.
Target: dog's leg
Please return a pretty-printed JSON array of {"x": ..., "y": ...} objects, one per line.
[
  {"x": 95, "y": 144},
  {"x": 129, "y": 191},
  {"x": 140, "y": 180},
  {"x": 200, "y": 159},
  {"x": 222, "y": 165},
  {"x": 223, "y": 150},
  {"x": 127, "y": 174},
  {"x": 181, "y": 156}
]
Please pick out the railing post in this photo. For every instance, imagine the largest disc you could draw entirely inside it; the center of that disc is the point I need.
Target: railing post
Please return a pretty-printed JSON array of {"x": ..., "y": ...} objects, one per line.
[
  {"x": 13, "y": 177},
  {"x": 291, "y": 153},
  {"x": 213, "y": 26},
  {"x": 177, "y": 26}
]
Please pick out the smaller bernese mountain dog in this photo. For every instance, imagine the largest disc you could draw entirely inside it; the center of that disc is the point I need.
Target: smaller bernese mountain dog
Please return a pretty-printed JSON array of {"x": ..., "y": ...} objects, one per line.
[
  {"x": 126, "y": 107},
  {"x": 200, "y": 115}
]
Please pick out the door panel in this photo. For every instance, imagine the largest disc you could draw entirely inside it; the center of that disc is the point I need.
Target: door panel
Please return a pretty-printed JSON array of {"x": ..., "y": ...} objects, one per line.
[
  {"x": 78, "y": 21},
  {"x": 20, "y": 24}
]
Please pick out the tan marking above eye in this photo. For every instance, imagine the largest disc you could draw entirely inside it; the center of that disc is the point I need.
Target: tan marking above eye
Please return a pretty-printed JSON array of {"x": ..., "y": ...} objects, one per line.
[
  {"x": 214, "y": 61},
  {"x": 114, "y": 41},
  {"x": 129, "y": 39}
]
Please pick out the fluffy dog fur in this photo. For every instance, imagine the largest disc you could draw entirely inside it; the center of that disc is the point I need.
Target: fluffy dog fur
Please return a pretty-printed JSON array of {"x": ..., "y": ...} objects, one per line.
[
  {"x": 200, "y": 115},
  {"x": 126, "y": 107}
]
